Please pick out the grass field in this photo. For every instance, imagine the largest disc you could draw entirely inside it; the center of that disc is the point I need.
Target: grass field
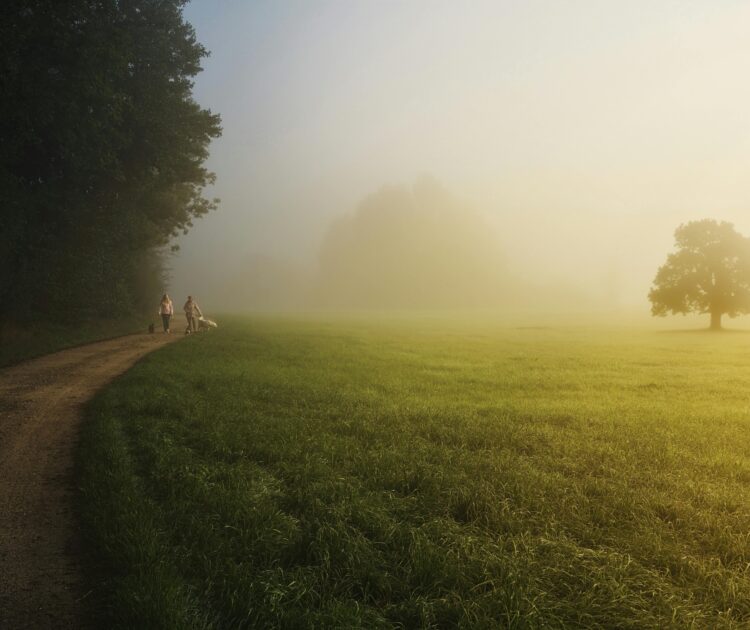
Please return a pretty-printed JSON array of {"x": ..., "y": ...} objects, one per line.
[{"x": 422, "y": 473}]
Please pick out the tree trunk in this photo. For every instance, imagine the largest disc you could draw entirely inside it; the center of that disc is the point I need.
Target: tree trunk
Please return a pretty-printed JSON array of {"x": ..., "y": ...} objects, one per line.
[{"x": 716, "y": 320}]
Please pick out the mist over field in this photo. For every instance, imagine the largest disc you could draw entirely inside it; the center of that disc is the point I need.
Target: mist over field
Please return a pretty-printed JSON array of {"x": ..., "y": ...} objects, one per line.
[
  {"x": 422, "y": 385},
  {"x": 573, "y": 140}
]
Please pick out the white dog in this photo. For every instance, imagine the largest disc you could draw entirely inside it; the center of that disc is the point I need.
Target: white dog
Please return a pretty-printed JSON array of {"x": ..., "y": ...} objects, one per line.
[{"x": 206, "y": 324}]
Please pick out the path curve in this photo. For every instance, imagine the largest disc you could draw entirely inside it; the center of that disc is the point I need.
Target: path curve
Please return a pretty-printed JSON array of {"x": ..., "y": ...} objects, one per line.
[{"x": 40, "y": 411}]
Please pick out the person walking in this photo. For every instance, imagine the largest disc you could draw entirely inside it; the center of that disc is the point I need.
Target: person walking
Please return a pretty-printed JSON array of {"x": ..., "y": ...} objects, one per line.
[
  {"x": 192, "y": 312},
  {"x": 166, "y": 310}
]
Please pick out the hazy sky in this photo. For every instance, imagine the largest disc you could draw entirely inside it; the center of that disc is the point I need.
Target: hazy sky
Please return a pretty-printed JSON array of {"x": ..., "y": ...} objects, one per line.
[{"x": 588, "y": 129}]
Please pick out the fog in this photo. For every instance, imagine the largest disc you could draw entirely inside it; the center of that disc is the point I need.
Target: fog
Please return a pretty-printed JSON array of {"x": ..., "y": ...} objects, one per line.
[{"x": 431, "y": 154}]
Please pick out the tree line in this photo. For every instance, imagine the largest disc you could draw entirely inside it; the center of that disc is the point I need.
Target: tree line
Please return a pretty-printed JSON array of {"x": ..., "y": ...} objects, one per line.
[{"x": 101, "y": 153}]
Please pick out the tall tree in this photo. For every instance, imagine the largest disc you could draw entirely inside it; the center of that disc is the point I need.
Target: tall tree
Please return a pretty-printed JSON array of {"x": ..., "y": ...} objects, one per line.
[
  {"x": 708, "y": 273},
  {"x": 101, "y": 150},
  {"x": 412, "y": 247}
]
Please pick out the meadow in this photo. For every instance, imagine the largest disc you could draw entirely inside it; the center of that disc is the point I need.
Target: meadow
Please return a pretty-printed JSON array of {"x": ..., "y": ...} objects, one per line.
[{"x": 423, "y": 473}]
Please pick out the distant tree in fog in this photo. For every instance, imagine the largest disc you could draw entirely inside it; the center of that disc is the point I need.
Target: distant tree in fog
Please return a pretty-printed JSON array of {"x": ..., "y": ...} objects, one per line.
[
  {"x": 412, "y": 247},
  {"x": 709, "y": 273}
]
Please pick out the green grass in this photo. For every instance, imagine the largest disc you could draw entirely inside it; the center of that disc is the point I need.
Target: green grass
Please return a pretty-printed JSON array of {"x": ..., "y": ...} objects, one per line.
[
  {"x": 310, "y": 473},
  {"x": 18, "y": 343}
]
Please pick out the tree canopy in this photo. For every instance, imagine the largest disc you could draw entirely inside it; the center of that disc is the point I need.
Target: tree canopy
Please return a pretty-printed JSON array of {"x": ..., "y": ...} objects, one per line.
[
  {"x": 708, "y": 273},
  {"x": 411, "y": 247},
  {"x": 101, "y": 152}
]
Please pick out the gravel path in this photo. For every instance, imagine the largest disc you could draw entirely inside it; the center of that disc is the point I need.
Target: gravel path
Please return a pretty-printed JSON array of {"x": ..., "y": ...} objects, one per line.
[{"x": 40, "y": 405}]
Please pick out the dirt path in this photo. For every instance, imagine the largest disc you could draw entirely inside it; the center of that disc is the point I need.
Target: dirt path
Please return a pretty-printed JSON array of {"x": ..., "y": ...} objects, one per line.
[{"x": 40, "y": 404}]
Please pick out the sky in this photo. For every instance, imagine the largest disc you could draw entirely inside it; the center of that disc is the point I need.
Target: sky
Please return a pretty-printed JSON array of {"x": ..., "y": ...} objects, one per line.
[{"x": 586, "y": 130}]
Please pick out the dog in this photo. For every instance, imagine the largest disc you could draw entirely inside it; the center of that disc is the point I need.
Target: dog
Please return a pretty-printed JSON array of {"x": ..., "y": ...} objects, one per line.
[
  {"x": 151, "y": 328},
  {"x": 206, "y": 324}
]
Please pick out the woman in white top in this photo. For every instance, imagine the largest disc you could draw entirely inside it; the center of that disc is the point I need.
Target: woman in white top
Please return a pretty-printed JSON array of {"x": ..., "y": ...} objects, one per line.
[{"x": 166, "y": 310}]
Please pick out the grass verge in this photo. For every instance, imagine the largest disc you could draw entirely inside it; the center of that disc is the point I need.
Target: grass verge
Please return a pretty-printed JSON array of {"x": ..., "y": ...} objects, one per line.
[{"x": 18, "y": 343}]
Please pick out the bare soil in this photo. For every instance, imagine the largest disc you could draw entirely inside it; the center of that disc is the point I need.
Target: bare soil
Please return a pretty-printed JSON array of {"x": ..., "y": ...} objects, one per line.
[{"x": 41, "y": 582}]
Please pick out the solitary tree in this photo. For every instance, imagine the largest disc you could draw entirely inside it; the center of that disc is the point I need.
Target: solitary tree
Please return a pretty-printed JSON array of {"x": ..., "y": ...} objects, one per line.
[{"x": 709, "y": 273}]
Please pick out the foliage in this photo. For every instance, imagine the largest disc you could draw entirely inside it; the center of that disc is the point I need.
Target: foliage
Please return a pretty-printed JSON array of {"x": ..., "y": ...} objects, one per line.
[
  {"x": 423, "y": 473},
  {"x": 709, "y": 273},
  {"x": 412, "y": 247},
  {"x": 101, "y": 151}
]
